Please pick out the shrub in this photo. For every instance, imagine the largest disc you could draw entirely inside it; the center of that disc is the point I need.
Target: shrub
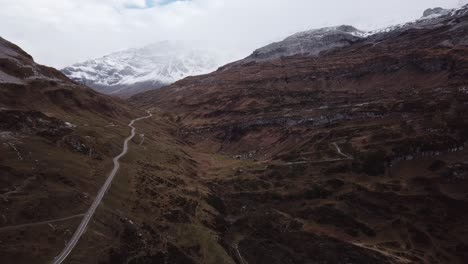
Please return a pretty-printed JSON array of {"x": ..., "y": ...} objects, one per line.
[{"x": 372, "y": 162}]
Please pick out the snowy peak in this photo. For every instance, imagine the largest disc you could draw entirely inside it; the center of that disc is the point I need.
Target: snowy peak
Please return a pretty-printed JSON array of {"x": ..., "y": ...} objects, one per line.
[
  {"x": 135, "y": 70},
  {"x": 311, "y": 42},
  {"x": 437, "y": 11},
  {"x": 432, "y": 18},
  {"x": 327, "y": 31},
  {"x": 317, "y": 41}
]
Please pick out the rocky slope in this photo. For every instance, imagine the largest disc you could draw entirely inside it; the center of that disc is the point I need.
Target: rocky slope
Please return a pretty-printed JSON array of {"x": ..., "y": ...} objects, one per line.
[
  {"x": 360, "y": 150},
  {"x": 132, "y": 71},
  {"x": 57, "y": 141},
  {"x": 51, "y": 147}
]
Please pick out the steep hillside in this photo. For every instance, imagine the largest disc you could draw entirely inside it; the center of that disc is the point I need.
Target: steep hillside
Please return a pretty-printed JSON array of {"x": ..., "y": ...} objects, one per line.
[
  {"x": 54, "y": 145},
  {"x": 57, "y": 141},
  {"x": 133, "y": 71},
  {"x": 359, "y": 150}
]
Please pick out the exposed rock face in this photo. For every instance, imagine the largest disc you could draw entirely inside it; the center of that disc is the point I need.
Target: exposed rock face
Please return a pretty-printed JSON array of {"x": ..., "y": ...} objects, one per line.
[
  {"x": 435, "y": 11},
  {"x": 34, "y": 123}
]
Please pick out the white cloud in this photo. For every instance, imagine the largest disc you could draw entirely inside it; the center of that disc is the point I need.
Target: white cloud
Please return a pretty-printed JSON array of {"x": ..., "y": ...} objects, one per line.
[{"x": 61, "y": 32}]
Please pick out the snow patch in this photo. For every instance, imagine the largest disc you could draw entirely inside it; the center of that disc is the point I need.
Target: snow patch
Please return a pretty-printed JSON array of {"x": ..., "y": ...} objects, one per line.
[{"x": 70, "y": 125}]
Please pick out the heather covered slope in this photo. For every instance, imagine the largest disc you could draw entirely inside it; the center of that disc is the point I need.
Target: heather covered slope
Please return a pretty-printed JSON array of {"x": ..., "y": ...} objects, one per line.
[
  {"x": 57, "y": 139},
  {"x": 363, "y": 145}
]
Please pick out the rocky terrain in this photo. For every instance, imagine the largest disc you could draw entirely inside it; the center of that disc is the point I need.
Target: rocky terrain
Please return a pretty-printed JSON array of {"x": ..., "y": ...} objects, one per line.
[
  {"x": 360, "y": 149},
  {"x": 128, "y": 72},
  {"x": 352, "y": 152}
]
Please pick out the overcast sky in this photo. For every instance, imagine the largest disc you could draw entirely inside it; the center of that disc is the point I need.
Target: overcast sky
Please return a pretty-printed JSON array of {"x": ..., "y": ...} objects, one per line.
[{"x": 61, "y": 32}]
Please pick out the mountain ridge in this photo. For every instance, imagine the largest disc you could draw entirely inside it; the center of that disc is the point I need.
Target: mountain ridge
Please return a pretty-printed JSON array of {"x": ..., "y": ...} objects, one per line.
[
  {"x": 360, "y": 144},
  {"x": 322, "y": 40}
]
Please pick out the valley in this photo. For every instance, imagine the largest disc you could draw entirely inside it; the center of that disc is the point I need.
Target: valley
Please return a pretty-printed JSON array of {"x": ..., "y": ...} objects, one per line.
[{"x": 332, "y": 146}]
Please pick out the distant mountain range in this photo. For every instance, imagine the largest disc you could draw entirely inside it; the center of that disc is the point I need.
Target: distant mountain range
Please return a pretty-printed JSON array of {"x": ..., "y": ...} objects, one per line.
[
  {"x": 129, "y": 72},
  {"x": 132, "y": 71}
]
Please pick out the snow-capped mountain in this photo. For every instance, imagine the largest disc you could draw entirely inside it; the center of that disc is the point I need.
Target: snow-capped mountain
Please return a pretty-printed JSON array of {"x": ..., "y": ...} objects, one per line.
[
  {"x": 317, "y": 41},
  {"x": 131, "y": 71},
  {"x": 431, "y": 18},
  {"x": 438, "y": 11},
  {"x": 311, "y": 42}
]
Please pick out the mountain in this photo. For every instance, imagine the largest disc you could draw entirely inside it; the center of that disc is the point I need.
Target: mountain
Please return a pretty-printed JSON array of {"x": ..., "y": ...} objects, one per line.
[
  {"x": 58, "y": 140},
  {"x": 131, "y": 71},
  {"x": 319, "y": 41},
  {"x": 53, "y": 140},
  {"x": 436, "y": 12},
  {"x": 311, "y": 42},
  {"x": 27, "y": 85},
  {"x": 354, "y": 154}
]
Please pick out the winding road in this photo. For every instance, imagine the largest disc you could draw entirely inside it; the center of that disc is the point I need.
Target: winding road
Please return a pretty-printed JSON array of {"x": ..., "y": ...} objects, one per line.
[{"x": 89, "y": 214}]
